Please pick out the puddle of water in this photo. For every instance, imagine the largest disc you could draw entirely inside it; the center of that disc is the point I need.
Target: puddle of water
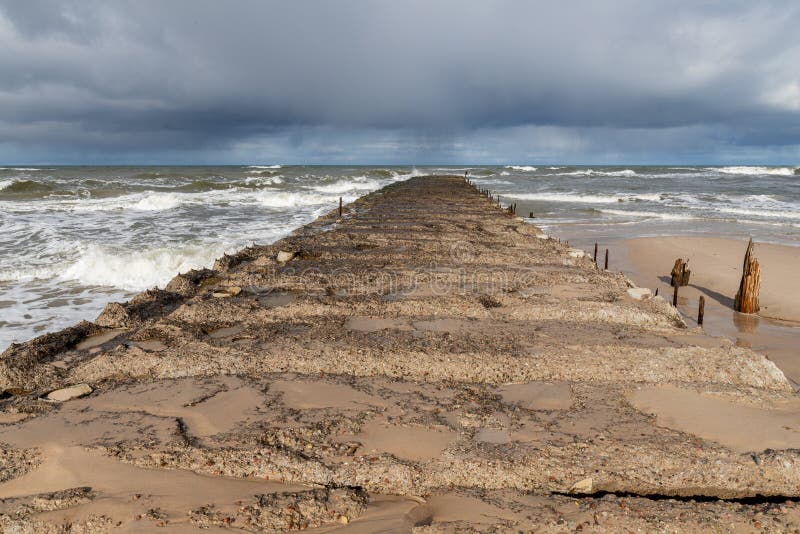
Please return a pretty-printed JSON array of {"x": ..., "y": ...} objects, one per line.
[{"x": 98, "y": 339}]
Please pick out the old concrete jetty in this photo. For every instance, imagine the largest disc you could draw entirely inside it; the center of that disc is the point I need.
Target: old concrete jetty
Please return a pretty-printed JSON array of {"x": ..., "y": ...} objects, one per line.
[{"x": 426, "y": 361}]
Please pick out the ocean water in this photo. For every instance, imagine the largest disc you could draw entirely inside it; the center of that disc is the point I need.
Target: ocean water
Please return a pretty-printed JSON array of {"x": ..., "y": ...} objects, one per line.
[
  {"x": 591, "y": 204},
  {"x": 74, "y": 238}
]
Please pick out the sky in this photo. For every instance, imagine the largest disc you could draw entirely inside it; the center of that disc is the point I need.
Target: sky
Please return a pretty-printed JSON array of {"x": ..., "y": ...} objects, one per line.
[{"x": 411, "y": 82}]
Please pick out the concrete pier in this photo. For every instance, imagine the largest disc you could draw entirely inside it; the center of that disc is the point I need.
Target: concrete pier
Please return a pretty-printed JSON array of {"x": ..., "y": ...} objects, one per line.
[{"x": 425, "y": 358}]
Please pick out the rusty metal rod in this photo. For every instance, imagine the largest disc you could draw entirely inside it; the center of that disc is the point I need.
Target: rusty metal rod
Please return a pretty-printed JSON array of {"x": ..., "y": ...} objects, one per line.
[{"x": 701, "y": 310}]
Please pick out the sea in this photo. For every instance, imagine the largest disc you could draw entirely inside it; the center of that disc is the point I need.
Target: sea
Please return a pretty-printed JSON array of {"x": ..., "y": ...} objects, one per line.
[{"x": 74, "y": 238}]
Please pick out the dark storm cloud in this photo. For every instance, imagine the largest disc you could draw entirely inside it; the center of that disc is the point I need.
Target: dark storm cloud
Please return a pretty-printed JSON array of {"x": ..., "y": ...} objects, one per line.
[{"x": 444, "y": 81}]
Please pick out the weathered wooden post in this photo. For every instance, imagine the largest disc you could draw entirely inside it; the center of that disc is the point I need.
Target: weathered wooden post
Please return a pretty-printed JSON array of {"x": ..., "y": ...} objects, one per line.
[
  {"x": 701, "y": 310},
  {"x": 606, "y": 267},
  {"x": 530, "y": 215},
  {"x": 656, "y": 293},
  {"x": 679, "y": 276},
  {"x": 746, "y": 300},
  {"x": 675, "y": 296},
  {"x": 340, "y": 206},
  {"x": 595, "y": 253}
]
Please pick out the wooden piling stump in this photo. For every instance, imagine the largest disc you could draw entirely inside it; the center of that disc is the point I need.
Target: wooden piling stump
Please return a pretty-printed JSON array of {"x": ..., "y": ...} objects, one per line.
[
  {"x": 747, "y": 297},
  {"x": 680, "y": 273}
]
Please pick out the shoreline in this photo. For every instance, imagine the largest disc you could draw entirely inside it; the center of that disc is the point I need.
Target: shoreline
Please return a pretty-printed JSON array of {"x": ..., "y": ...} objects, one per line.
[{"x": 424, "y": 359}]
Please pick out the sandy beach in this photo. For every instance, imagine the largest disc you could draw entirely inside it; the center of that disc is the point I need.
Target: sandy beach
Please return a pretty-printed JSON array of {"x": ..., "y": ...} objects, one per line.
[
  {"x": 425, "y": 362},
  {"x": 716, "y": 266}
]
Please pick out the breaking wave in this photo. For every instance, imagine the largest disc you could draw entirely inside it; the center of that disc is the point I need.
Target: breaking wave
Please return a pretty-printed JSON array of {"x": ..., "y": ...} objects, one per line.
[
  {"x": 592, "y": 172},
  {"x": 138, "y": 270},
  {"x": 754, "y": 171},
  {"x": 650, "y": 214},
  {"x": 285, "y": 199},
  {"x": 344, "y": 186},
  {"x": 263, "y": 180},
  {"x": 523, "y": 168},
  {"x": 24, "y": 187}
]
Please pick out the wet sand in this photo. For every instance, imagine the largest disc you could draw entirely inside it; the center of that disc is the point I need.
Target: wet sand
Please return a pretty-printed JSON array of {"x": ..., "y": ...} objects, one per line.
[
  {"x": 716, "y": 266},
  {"x": 425, "y": 363}
]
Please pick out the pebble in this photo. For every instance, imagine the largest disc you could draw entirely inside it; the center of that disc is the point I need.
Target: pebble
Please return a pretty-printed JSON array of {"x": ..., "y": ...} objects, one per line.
[
  {"x": 582, "y": 486},
  {"x": 639, "y": 293},
  {"x": 72, "y": 392},
  {"x": 285, "y": 255}
]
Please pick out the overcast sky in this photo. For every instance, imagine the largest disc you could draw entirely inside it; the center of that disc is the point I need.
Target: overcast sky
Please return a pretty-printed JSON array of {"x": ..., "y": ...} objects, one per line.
[{"x": 617, "y": 81}]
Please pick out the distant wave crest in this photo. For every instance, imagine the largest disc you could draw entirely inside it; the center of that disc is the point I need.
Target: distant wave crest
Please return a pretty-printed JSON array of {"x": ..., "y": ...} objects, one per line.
[
  {"x": 24, "y": 187},
  {"x": 592, "y": 172},
  {"x": 755, "y": 171},
  {"x": 583, "y": 198}
]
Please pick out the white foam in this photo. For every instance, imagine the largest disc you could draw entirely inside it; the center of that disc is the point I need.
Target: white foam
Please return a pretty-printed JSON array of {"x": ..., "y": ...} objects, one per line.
[
  {"x": 138, "y": 202},
  {"x": 755, "y": 171},
  {"x": 581, "y": 198},
  {"x": 137, "y": 270},
  {"x": 524, "y": 168},
  {"x": 158, "y": 202},
  {"x": 357, "y": 183},
  {"x": 772, "y": 214},
  {"x": 453, "y": 169},
  {"x": 20, "y": 169},
  {"x": 264, "y": 180},
  {"x": 649, "y": 214},
  {"x": 28, "y": 273},
  {"x": 5, "y": 183},
  {"x": 592, "y": 172},
  {"x": 264, "y": 166},
  {"x": 285, "y": 199}
]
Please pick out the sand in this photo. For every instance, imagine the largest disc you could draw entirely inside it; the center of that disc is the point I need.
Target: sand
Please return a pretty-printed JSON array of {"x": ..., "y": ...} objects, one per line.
[
  {"x": 427, "y": 362},
  {"x": 716, "y": 270},
  {"x": 716, "y": 266},
  {"x": 721, "y": 420}
]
